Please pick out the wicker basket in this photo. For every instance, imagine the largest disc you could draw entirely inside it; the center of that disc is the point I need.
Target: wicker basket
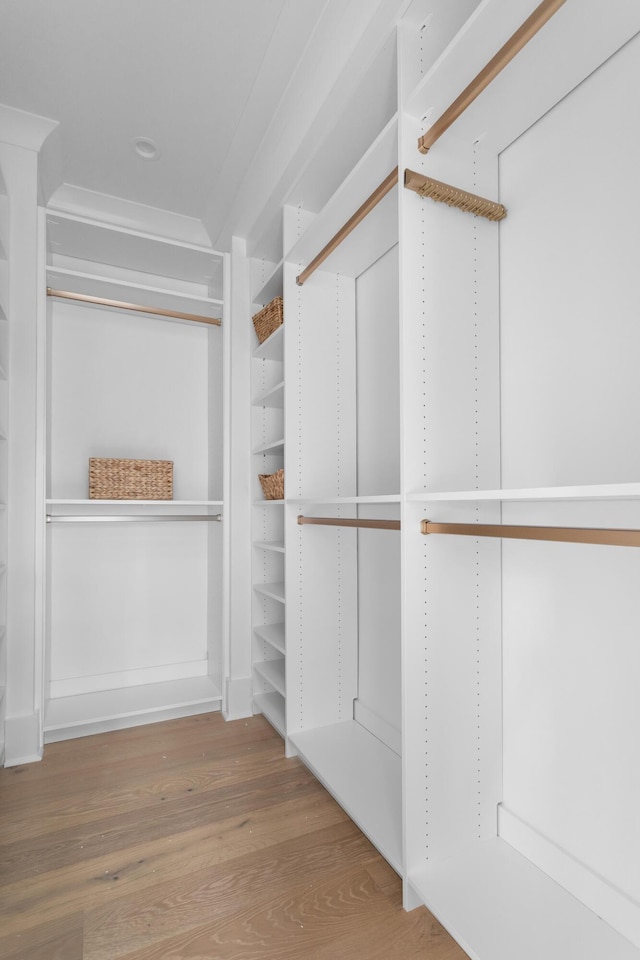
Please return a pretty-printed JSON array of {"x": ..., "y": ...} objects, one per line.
[
  {"x": 272, "y": 485},
  {"x": 111, "y": 479},
  {"x": 268, "y": 319}
]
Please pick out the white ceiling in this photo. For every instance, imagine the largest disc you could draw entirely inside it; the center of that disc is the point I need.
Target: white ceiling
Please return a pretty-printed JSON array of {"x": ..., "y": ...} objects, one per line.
[
  {"x": 182, "y": 72},
  {"x": 204, "y": 79}
]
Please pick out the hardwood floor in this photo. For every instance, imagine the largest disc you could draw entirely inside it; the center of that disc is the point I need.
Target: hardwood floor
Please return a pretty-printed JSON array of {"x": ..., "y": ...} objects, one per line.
[{"x": 193, "y": 839}]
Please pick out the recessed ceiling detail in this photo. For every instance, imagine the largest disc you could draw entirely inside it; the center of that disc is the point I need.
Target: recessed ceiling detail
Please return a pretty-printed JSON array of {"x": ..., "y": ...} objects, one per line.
[{"x": 146, "y": 148}]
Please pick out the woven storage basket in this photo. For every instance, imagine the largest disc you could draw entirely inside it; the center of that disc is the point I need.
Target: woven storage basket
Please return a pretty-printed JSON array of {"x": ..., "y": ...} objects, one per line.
[
  {"x": 272, "y": 485},
  {"x": 111, "y": 479},
  {"x": 268, "y": 319}
]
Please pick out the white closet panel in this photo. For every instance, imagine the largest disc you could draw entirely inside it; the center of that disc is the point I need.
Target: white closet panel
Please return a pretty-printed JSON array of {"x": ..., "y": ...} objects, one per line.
[
  {"x": 570, "y": 396},
  {"x": 570, "y": 287},
  {"x": 128, "y": 601},
  {"x": 377, "y": 377},
  {"x": 378, "y": 705}
]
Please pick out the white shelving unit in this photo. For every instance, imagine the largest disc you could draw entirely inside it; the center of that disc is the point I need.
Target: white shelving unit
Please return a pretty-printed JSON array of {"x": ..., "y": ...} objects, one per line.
[
  {"x": 343, "y": 460},
  {"x": 595, "y": 491},
  {"x": 268, "y": 455},
  {"x": 5, "y": 249},
  {"x": 364, "y": 776},
  {"x": 135, "y": 611},
  {"x": 440, "y": 709},
  {"x": 519, "y": 811}
]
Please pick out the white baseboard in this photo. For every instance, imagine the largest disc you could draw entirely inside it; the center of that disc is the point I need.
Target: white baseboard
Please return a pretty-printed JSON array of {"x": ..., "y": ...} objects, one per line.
[
  {"x": 378, "y": 726},
  {"x": 239, "y": 699},
  {"x": 608, "y": 902},
  {"x": 22, "y": 739},
  {"x": 89, "y": 713},
  {"x": 76, "y": 686}
]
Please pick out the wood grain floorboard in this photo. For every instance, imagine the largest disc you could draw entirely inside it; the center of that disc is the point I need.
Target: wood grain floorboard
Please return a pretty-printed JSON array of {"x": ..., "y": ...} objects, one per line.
[
  {"x": 177, "y": 907},
  {"x": 193, "y": 839},
  {"x": 155, "y": 820},
  {"x": 61, "y": 939},
  {"x": 192, "y": 772},
  {"x": 85, "y": 884}
]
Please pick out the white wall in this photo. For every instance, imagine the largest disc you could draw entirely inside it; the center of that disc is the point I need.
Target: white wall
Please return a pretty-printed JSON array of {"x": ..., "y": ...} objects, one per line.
[{"x": 127, "y": 386}]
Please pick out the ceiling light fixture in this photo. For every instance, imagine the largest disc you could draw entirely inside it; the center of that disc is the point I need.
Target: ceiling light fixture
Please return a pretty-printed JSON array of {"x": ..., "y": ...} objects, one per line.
[{"x": 146, "y": 148}]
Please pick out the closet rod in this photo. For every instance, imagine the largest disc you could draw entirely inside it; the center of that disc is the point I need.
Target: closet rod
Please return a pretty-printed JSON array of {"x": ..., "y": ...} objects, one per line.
[
  {"x": 340, "y": 522},
  {"x": 121, "y": 305},
  {"x": 133, "y": 518},
  {"x": 543, "y": 12},
  {"x": 609, "y": 537},
  {"x": 378, "y": 194}
]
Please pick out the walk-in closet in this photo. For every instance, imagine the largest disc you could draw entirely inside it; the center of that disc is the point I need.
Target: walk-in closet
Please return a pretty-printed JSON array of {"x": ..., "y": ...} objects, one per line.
[
  {"x": 393, "y": 369},
  {"x": 134, "y": 588}
]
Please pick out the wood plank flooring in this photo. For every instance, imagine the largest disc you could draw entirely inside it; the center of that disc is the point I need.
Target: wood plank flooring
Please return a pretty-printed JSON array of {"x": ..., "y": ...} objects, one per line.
[{"x": 193, "y": 839}]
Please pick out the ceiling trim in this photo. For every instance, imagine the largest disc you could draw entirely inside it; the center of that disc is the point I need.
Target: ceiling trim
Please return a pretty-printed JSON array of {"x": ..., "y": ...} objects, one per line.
[
  {"x": 129, "y": 214},
  {"x": 345, "y": 43},
  {"x": 22, "y": 129}
]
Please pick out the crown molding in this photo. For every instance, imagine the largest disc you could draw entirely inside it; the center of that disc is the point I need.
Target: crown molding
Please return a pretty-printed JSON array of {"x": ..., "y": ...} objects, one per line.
[
  {"x": 115, "y": 211},
  {"x": 21, "y": 129}
]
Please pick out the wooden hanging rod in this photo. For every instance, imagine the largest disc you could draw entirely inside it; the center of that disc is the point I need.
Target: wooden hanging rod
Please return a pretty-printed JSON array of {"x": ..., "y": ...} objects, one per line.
[
  {"x": 609, "y": 537},
  {"x": 121, "y": 305},
  {"x": 343, "y": 522},
  {"x": 543, "y": 12},
  {"x": 444, "y": 193},
  {"x": 378, "y": 194}
]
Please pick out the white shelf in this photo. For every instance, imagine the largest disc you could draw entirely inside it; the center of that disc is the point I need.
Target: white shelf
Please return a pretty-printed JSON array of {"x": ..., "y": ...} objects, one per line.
[
  {"x": 273, "y": 590},
  {"x": 268, "y": 503},
  {"x": 110, "y": 709},
  {"x": 273, "y": 446},
  {"x": 118, "y": 246},
  {"x": 140, "y": 294},
  {"x": 598, "y": 491},
  {"x": 273, "y": 634},
  {"x": 276, "y": 545},
  {"x": 82, "y": 281},
  {"x": 364, "y": 776},
  {"x": 361, "y": 248},
  {"x": 135, "y": 503},
  {"x": 498, "y": 906},
  {"x": 272, "y": 707},
  {"x": 273, "y": 671},
  {"x": 272, "y": 348},
  {"x": 383, "y": 498},
  {"x": 273, "y": 397},
  {"x": 522, "y": 98},
  {"x": 271, "y": 287}
]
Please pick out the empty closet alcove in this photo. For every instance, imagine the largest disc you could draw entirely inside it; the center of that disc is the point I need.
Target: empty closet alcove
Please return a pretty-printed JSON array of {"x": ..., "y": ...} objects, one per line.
[
  {"x": 343, "y": 462},
  {"x": 135, "y": 588}
]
